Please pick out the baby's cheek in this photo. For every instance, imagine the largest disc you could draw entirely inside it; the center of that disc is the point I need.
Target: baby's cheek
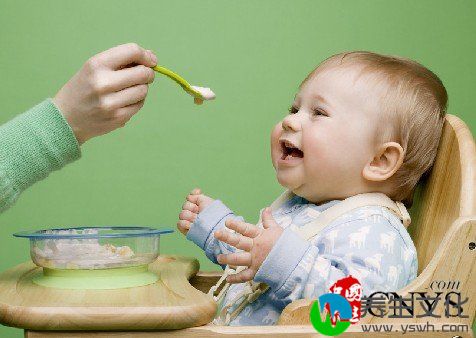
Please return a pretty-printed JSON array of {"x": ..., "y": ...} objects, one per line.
[
  {"x": 318, "y": 147},
  {"x": 323, "y": 158}
]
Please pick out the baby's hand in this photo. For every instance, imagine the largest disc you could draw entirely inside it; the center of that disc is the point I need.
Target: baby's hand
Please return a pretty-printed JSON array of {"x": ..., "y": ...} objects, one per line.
[
  {"x": 107, "y": 91},
  {"x": 256, "y": 243},
  {"x": 195, "y": 203}
]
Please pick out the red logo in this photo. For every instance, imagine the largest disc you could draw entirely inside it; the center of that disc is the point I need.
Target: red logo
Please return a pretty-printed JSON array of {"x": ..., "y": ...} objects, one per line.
[{"x": 351, "y": 289}]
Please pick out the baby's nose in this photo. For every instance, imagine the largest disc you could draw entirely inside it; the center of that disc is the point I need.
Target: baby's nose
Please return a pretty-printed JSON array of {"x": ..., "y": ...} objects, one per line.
[{"x": 291, "y": 123}]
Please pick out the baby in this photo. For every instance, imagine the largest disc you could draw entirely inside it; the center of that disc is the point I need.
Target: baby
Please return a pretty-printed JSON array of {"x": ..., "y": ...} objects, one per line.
[{"x": 361, "y": 124}]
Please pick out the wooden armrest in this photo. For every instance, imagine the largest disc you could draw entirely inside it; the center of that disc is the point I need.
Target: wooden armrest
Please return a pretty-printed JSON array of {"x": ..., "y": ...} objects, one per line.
[
  {"x": 204, "y": 280},
  {"x": 296, "y": 313}
]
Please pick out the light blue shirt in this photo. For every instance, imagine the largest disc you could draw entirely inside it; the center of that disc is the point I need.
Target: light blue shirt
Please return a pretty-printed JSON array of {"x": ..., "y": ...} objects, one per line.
[{"x": 370, "y": 243}]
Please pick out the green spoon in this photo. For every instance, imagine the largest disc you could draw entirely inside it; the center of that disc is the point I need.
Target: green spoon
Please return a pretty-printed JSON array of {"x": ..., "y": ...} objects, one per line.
[{"x": 198, "y": 93}]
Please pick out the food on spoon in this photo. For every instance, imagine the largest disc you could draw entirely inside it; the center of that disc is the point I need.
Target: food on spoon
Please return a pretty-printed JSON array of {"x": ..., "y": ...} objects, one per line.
[{"x": 206, "y": 93}]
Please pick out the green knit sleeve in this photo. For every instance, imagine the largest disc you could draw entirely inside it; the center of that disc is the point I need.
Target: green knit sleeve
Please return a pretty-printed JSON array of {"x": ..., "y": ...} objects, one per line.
[{"x": 32, "y": 145}]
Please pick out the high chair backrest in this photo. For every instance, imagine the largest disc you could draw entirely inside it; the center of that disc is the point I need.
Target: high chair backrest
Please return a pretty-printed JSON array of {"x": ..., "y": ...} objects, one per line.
[{"x": 447, "y": 193}]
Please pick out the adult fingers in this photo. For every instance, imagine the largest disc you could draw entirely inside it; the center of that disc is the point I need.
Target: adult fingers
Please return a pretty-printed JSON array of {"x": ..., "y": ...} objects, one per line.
[
  {"x": 123, "y": 55},
  {"x": 190, "y": 206},
  {"x": 267, "y": 218},
  {"x": 241, "y": 277},
  {"x": 125, "y": 113},
  {"x": 129, "y": 77},
  {"x": 124, "y": 97},
  {"x": 246, "y": 229},
  {"x": 183, "y": 226},
  {"x": 187, "y": 215},
  {"x": 237, "y": 258},
  {"x": 236, "y": 240}
]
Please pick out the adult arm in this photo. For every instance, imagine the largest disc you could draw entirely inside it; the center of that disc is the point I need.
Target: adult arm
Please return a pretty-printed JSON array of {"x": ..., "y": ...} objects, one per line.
[
  {"x": 102, "y": 96},
  {"x": 32, "y": 145}
]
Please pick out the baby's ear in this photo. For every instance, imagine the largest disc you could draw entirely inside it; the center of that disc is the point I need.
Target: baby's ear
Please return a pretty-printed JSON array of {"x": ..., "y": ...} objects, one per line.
[{"x": 386, "y": 162}]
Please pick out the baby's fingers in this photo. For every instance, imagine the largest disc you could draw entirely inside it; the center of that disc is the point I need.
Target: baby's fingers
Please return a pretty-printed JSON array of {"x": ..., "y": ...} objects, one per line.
[
  {"x": 190, "y": 206},
  {"x": 187, "y": 215},
  {"x": 196, "y": 191},
  {"x": 236, "y": 240},
  {"x": 183, "y": 226},
  {"x": 241, "y": 277},
  {"x": 246, "y": 229},
  {"x": 193, "y": 196},
  {"x": 235, "y": 259}
]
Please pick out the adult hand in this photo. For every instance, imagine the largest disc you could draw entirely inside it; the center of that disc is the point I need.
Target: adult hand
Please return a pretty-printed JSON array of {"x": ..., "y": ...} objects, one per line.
[{"x": 107, "y": 91}]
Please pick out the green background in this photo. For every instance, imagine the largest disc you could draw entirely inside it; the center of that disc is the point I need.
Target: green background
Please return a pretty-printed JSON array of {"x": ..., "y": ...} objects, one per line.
[{"x": 253, "y": 54}]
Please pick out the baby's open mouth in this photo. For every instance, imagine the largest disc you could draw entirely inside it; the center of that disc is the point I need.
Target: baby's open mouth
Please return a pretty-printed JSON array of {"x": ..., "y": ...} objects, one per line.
[{"x": 289, "y": 150}]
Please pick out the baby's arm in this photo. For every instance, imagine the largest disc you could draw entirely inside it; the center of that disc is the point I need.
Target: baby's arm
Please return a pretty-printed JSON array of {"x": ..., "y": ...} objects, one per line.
[
  {"x": 370, "y": 249},
  {"x": 201, "y": 216}
]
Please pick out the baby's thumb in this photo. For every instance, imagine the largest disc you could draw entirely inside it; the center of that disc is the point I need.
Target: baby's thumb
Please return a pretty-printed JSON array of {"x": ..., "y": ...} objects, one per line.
[
  {"x": 196, "y": 191},
  {"x": 267, "y": 218}
]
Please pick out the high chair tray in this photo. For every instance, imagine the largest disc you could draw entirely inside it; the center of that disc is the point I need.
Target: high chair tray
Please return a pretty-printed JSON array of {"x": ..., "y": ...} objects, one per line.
[{"x": 169, "y": 303}]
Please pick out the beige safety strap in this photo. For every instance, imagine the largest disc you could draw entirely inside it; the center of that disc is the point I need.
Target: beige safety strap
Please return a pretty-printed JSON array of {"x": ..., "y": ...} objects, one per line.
[
  {"x": 248, "y": 295},
  {"x": 228, "y": 271},
  {"x": 329, "y": 215},
  {"x": 253, "y": 290}
]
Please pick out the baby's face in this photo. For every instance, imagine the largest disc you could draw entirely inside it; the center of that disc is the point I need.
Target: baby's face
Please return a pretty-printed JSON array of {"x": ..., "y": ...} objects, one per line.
[{"x": 320, "y": 149}]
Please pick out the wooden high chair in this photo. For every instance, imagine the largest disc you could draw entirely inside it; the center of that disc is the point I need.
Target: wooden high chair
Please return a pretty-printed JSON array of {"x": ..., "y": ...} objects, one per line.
[{"x": 443, "y": 226}]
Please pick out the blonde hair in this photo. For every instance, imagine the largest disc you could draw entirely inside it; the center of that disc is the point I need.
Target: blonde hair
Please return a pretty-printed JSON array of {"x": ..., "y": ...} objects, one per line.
[{"x": 414, "y": 105}]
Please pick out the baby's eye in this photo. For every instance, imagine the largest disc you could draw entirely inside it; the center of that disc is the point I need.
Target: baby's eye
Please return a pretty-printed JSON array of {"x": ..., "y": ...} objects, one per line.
[
  {"x": 293, "y": 110},
  {"x": 318, "y": 112}
]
